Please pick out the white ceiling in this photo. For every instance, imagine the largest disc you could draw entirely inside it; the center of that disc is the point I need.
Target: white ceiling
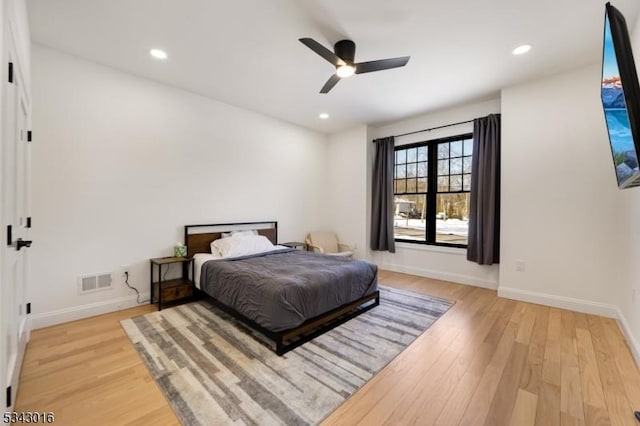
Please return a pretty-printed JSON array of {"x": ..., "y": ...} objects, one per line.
[{"x": 246, "y": 52}]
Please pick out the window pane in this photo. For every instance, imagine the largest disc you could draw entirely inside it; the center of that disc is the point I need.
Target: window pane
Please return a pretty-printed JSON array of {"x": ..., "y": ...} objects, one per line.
[
  {"x": 443, "y": 167},
  {"x": 423, "y": 153},
  {"x": 409, "y": 217},
  {"x": 412, "y": 155},
  {"x": 456, "y": 166},
  {"x": 443, "y": 183},
  {"x": 456, "y": 149},
  {"x": 466, "y": 182},
  {"x": 422, "y": 169},
  {"x": 443, "y": 150},
  {"x": 401, "y": 156},
  {"x": 401, "y": 171},
  {"x": 466, "y": 165},
  {"x": 422, "y": 185},
  {"x": 452, "y": 220},
  {"x": 468, "y": 147},
  {"x": 401, "y": 186},
  {"x": 456, "y": 182},
  {"x": 411, "y": 185},
  {"x": 412, "y": 170}
]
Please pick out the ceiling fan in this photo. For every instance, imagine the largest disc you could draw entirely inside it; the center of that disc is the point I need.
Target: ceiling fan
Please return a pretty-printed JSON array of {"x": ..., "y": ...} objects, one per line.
[{"x": 343, "y": 57}]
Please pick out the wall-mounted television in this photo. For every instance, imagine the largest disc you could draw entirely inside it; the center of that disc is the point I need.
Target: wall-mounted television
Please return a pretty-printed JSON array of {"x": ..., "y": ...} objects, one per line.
[{"x": 620, "y": 95}]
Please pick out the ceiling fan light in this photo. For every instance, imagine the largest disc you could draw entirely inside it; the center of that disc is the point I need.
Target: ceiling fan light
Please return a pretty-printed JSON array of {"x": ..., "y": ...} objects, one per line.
[
  {"x": 158, "y": 54},
  {"x": 345, "y": 71},
  {"x": 521, "y": 50}
]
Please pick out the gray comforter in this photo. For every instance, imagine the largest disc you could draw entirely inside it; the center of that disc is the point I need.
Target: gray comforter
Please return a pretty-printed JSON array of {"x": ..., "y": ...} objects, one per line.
[{"x": 282, "y": 289}]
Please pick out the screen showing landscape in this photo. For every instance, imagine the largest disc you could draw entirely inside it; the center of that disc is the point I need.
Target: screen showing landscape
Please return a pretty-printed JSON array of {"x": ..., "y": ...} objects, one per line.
[{"x": 615, "y": 110}]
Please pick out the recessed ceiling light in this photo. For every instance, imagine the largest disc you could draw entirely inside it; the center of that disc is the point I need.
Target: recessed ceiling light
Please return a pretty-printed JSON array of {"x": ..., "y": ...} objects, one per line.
[
  {"x": 324, "y": 116},
  {"x": 158, "y": 54},
  {"x": 522, "y": 49}
]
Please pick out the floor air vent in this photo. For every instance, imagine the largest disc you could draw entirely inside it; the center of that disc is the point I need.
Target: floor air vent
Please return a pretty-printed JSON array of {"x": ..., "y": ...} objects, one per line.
[{"x": 94, "y": 282}]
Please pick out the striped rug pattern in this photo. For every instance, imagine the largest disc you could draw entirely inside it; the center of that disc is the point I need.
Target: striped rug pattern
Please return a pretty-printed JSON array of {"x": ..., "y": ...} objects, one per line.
[{"x": 213, "y": 372}]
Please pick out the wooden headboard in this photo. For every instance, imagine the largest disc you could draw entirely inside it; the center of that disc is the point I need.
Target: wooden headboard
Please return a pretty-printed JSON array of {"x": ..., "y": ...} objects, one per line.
[{"x": 198, "y": 238}]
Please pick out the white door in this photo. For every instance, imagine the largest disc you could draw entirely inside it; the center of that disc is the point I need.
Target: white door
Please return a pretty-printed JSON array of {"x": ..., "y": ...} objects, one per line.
[{"x": 15, "y": 204}]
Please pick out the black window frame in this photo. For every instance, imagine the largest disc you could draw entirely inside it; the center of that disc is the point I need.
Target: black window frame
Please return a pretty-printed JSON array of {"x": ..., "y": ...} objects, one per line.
[{"x": 432, "y": 186}]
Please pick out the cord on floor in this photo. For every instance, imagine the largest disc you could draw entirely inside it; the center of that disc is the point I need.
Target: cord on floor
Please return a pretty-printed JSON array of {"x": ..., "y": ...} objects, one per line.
[{"x": 126, "y": 281}]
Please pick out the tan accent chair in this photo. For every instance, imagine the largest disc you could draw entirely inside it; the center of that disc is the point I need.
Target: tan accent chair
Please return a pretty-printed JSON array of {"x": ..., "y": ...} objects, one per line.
[{"x": 327, "y": 243}]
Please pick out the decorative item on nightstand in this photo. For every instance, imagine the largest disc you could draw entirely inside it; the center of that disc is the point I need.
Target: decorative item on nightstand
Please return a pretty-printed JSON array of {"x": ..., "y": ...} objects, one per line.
[{"x": 180, "y": 250}]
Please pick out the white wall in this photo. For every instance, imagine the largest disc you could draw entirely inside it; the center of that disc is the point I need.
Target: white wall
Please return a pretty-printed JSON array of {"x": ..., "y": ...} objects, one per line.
[
  {"x": 121, "y": 163},
  {"x": 629, "y": 302},
  {"x": 430, "y": 261},
  {"x": 629, "y": 291},
  {"x": 560, "y": 203},
  {"x": 347, "y": 187}
]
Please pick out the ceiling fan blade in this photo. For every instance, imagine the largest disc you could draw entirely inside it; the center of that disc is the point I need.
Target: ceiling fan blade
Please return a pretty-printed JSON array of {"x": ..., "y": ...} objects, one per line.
[
  {"x": 383, "y": 64},
  {"x": 322, "y": 51},
  {"x": 333, "y": 80}
]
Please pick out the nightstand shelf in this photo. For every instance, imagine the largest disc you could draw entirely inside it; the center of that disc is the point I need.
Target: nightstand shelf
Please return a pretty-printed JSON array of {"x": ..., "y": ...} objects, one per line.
[
  {"x": 295, "y": 244},
  {"x": 171, "y": 291}
]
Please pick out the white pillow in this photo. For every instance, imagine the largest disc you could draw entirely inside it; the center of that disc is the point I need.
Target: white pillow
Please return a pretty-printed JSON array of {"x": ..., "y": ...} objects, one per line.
[
  {"x": 246, "y": 232},
  {"x": 238, "y": 233},
  {"x": 242, "y": 245},
  {"x": 214, "y": 251}
]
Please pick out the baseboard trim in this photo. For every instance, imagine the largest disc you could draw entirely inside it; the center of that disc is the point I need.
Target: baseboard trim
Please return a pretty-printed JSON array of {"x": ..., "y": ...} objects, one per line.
[
  {"x": 562, "y": 302},
  {"x": 634, "y": 346},
  {"x": 439, "y": 275},
  {"x": 47, "y": 319}
]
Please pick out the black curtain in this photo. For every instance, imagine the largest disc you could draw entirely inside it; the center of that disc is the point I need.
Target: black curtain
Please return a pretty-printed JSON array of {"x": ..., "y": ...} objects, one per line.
[
  {"x": 484, "y": 215},
  {"x": 382, "y": 196}
]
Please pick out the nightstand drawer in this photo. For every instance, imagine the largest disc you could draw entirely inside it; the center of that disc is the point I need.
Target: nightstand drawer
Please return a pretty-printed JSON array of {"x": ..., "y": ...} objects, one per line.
[{"x": 179, "y": 292}]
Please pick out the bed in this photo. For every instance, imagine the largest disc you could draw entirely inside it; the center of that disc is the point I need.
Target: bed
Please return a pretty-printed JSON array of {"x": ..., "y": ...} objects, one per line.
[{"x": 287, "y": 295}]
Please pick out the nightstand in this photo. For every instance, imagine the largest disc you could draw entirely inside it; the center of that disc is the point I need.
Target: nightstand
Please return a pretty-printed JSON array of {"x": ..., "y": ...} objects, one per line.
[
  {"x": 174, "y": 290},
  {"x": 295, "y": 244}
]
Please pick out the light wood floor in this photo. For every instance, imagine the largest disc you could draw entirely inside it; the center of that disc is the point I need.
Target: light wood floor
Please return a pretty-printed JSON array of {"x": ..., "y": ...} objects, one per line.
[{"x": 488, "y": 361}]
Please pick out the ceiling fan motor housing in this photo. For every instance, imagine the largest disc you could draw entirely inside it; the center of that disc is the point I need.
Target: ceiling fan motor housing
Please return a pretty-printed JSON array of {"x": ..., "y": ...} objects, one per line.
[{"x": 345, "y": 50}]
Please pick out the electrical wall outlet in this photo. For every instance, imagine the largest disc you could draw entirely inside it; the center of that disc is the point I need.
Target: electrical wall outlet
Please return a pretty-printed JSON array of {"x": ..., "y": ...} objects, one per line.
[
  {"x": 125, "y": 270},
  {"x": 520, "y": 265}
]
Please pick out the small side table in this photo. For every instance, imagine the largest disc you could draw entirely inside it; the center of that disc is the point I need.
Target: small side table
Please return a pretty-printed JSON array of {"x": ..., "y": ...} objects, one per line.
[
  {"x": 174, "y": 290},
  {"x": 295, "y": 244}
]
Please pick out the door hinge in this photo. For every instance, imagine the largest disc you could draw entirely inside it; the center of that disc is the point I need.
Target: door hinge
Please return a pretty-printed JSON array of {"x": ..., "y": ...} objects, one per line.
[
  {"x": 29, "y": 135},
  {"x": 8, "y": 396},
  {"x": 29, "y": 222},
  {"x": 28, "y": 308},
  {"x": 9, "y": 236},
  {"x": 10, "y": 72}
]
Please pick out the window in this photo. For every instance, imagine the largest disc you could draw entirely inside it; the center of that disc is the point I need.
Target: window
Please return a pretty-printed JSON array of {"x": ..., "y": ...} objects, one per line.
[{"x": 432, "y": 181}]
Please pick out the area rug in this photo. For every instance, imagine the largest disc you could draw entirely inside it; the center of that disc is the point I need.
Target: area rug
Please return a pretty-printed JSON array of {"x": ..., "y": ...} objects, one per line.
[{"x": 213, "y": 372}]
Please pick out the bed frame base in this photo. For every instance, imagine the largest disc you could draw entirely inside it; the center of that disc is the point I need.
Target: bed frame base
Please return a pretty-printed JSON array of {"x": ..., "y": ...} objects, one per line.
[
  {"x": 287, "y": 340},
  {"x": 198, "y": 239}
]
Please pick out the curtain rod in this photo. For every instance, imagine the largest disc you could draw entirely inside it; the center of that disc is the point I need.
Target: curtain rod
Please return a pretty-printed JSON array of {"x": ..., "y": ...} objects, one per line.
[{"x": 433, "y": 128}]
